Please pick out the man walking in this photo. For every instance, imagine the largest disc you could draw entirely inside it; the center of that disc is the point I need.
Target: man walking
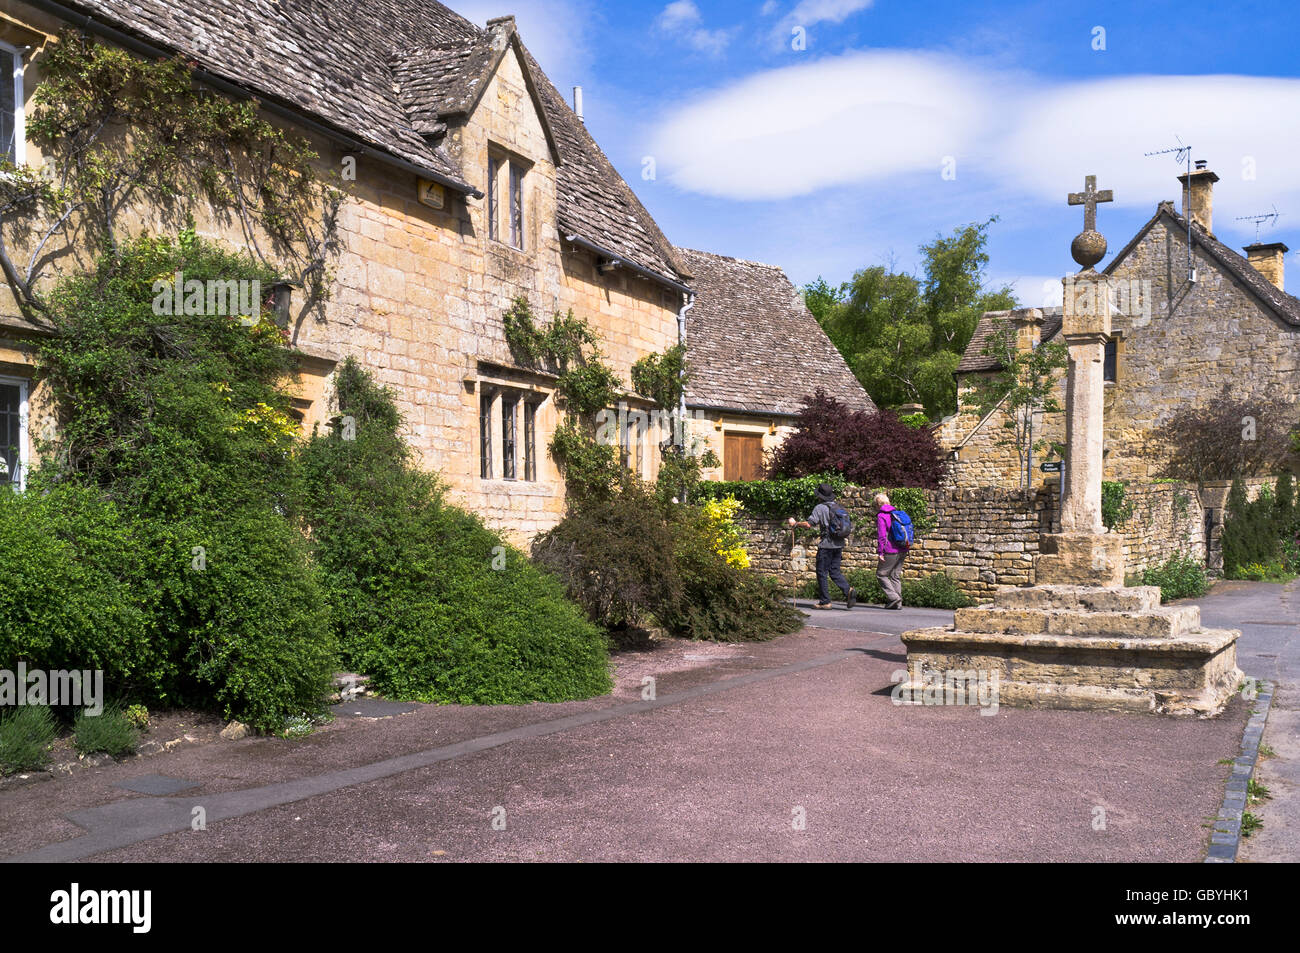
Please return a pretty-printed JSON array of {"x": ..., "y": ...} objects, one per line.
[{"x": 833, "y": 522}]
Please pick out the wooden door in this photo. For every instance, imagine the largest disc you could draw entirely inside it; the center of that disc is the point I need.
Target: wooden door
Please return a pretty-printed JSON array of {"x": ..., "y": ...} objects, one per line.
[{"x": 742, "y": 457}]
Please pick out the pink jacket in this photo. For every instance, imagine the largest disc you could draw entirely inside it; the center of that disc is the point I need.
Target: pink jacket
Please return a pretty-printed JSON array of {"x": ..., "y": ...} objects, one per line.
[{"x": 884, "y": 546}]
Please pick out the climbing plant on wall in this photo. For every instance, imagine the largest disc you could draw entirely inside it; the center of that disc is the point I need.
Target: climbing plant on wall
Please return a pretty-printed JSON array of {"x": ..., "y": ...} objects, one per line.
[{"x": 117, "y": 131}]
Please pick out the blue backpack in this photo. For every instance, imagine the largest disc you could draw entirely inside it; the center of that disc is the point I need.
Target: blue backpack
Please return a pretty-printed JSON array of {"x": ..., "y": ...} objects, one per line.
[
  {"x": 841, "y": 525},
  {"x": 900, "y": 529}
]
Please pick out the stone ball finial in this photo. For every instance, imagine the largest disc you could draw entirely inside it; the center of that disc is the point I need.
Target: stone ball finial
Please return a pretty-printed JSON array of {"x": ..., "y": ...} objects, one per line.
[{"x": 1088, "y": 247}]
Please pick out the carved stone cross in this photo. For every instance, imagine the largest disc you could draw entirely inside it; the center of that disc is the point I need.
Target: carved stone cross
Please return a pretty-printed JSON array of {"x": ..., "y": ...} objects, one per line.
[{"x": 1089, "y": 198}]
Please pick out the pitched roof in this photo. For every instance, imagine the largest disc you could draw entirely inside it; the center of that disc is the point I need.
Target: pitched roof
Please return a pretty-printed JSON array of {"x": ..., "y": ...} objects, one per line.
[
  {"x": 1285, "y": 306},
  {"x": 393, "y": 73},
  {"x": 326, "y": 59},
  {"x": 753, "y": 345},
  {"x": 595, "y": 202},
  {"x": 974, "y": 359}
]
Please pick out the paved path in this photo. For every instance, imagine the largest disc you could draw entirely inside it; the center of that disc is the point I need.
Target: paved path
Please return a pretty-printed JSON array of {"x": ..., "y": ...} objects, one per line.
[
  {"x": 1268, "y": 616},
  {"x": 789, "y": 750}
]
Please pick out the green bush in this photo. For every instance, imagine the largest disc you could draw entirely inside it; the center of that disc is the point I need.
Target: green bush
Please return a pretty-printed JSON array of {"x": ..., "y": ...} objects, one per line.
[
  {"x": 138, "y": 716},
  {"x": 68, "y": 568},
  {"x": 110, "y": 732},
  {"x": 170, "y": 515},
  {"x": 1261, "y": 536},
  {"x": 25, "y": 736},
  {"x": 632, "y": 562},
  {"x": 935, "y": 591},
  {"x": 1179, "y": 577},
  {"x": 426, "y": 600},
  {"x": 1115, "y": 508},
  {"x": 721, "y": 602}
]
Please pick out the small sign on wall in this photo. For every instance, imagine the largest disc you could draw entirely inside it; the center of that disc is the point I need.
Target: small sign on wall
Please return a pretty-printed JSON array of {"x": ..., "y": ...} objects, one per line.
[{"x": 432, "y": 194}]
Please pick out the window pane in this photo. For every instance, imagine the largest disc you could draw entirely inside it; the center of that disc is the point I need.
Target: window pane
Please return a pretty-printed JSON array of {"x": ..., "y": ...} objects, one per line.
[
  {"x": 1112, "y": 360},
  {"x": 516, "y": 206},
  {"x": 8, "y": 62},
  {"x": 530, "y": 442},
  {"x": 508, "y": 406},
  {"x": 494, "y": 216},
  {"x": 10, "y": 431},
  {"x": 485, "y": 436}
]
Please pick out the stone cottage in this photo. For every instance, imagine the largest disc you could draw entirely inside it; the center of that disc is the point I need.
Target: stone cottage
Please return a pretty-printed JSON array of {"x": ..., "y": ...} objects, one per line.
[
  {"x": 1183, "y": 327},
  {"x": 755, "y": 352},
  {"x": 475, "y": 183}
]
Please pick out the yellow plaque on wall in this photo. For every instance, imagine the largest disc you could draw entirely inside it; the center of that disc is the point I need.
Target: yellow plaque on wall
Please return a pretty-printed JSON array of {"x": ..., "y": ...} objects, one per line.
[{"x": 432, "y": 194}]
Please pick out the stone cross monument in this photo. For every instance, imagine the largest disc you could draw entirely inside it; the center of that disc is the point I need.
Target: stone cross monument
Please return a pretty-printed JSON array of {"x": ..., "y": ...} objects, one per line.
[
  {"x": 1078, "y": 638},
  {"x": 1083, "y": 553}
]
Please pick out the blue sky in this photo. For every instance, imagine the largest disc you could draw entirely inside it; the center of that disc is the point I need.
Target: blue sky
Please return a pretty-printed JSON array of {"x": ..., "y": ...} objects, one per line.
[{"x": 831, "y": 158}]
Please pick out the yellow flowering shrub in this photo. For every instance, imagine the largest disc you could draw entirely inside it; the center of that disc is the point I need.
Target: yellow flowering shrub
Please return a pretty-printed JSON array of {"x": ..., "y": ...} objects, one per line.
[{"x": 728, "y": 540}]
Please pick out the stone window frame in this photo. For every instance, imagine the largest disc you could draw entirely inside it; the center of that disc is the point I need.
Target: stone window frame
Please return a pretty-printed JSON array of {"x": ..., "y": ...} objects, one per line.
[
  {"x": 24, "y": 409},
  {"x": 499, "y": 405},
  {"x": 18, "y": 152}
]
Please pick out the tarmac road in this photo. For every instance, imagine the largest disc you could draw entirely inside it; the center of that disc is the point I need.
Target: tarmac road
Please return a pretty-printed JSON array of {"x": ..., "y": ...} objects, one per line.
[{"x": 788, "y": 750}]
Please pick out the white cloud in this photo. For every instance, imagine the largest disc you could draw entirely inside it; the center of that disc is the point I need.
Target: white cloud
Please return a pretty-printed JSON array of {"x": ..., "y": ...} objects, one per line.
[
  {"x": 681, "y": 13},
  {"x": 809, "y": 12},
  {"x": 683, "y": 19},
  {"x": 835, "y": 121},
  {"x": 888, "y": 118}
]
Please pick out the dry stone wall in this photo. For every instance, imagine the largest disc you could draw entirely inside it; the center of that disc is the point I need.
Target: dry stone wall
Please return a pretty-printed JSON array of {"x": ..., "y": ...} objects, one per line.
[{"x": 986, "y": 538}]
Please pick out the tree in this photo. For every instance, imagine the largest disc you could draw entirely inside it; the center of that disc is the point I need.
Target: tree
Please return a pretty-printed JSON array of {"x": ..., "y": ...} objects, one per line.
[
  {"x": 1235, "y": 435},
  {"x": 903, "y": 336},
  {"x": 869, "y": 449},
  {"x": 1024, "y": 387}
]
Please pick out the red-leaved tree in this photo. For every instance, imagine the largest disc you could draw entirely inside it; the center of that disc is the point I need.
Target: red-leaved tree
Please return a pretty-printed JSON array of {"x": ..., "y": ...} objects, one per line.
[{"x": 869, "y": 449}]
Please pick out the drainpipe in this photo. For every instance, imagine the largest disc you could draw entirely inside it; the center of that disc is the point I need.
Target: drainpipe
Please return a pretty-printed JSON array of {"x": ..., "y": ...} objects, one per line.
[
  {"x": 681, "y": 339},
  {"x": 689, "y": 303}
]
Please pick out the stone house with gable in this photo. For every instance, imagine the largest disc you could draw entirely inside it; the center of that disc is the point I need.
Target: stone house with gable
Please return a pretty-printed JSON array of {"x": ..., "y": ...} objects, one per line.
[
  {"x": 475, "y": 184},
  {"x": 1176, "y": 342},
  {"x": 755, "y": 352}
]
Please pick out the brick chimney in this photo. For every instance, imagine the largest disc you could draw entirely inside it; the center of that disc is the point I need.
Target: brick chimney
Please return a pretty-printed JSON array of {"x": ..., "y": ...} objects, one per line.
[
  {"x": 1198, "y": 195},
  {"x": 1269, "y": 259}
]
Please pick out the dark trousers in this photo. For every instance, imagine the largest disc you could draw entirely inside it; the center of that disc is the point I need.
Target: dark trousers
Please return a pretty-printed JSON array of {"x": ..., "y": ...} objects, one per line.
[{"x": 828, "y": 567}]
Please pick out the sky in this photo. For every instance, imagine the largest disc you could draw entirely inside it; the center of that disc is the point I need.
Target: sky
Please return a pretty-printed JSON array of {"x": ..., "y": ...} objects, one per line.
[{"x": 826, "y": 136}]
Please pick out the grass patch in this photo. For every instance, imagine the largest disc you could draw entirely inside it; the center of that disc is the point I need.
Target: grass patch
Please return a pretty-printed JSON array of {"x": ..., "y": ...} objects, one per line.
[
  {"x": 110, "y": 732},
  {"x": 25, "y": 736},
  {"x": 1266, "y": 750},
  {"x": 1256, "y": 791}
]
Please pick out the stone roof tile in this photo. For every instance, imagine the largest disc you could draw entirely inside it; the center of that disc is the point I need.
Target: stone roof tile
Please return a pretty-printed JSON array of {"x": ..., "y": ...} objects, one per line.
[{"x": 753, "y": 345}]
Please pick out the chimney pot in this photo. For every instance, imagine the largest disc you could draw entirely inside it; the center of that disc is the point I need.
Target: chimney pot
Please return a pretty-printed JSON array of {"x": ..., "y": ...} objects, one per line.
[
  {"x": 1269, "y": 259},
  {"x": 1198, "y": 195},
  {"x": 577, "y": 103}
]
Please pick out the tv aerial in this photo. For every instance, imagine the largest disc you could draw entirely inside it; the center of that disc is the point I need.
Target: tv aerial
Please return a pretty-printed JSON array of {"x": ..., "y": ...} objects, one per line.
[
  {"x": 1259, "y": 220},
  {"x": 1182, "y": 155}
]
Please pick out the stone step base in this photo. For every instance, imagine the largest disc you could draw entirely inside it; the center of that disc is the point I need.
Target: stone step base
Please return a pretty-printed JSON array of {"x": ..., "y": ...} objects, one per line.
[
  {"x": 1193, "y": 674},
  {"x": 1159, "y": 623},
  {"x": 1081, "y": 598},
  {"x": 1205, "y": 702}
]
